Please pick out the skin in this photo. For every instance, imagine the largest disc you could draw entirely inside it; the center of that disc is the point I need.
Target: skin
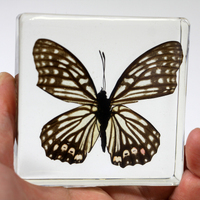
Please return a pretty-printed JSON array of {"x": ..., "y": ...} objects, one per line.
[{"x": 12, "y": 187}]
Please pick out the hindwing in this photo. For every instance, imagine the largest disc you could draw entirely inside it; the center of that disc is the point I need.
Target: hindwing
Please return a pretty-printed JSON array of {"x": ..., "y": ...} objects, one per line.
[
  {"x": 71, "y": 135},
  {"x": 131, "y": 139}
]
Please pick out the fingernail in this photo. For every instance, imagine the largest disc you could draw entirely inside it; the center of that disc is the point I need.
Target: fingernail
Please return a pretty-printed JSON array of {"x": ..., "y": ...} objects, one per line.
[{"x": 1, "y": 77}]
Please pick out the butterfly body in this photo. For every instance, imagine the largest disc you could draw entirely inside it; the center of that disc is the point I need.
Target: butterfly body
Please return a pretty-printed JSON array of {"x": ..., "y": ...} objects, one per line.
[
  {"x": 103, "y": 115},
  {"x": 130, "y": 138}
]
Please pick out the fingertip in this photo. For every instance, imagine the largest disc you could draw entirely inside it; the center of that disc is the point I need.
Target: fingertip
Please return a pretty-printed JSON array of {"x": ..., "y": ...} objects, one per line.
[
  {"x": 188, "y": 188},
  {"x": 193, "y": 152},
  {"x": 7, "y": 93},
  {"x": 193, "y": 137},
  {"x": 7, "y": 118},
  {"x": 4, "y": 76}
]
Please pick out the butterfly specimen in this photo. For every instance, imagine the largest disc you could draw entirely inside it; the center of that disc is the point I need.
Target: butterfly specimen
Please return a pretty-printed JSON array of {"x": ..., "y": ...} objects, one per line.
[{"x": 128, "y": 137}]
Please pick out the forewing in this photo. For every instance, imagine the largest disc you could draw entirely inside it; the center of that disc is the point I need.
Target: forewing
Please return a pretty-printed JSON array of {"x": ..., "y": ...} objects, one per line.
[
  {"x": 71, "y": 135},
  {"x": 151, "y": 75},
  {"x": 131, "y": 139},
  {"x": 61, "y": 74}
]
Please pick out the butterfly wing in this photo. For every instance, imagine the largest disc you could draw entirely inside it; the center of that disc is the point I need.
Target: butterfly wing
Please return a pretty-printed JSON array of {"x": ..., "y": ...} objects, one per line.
[
  {"x": 131, "y": 139},
  {"x": 71, "y": 135},
  {"x": 61, "y": 74},
  {"x": 151, "y": 75}
]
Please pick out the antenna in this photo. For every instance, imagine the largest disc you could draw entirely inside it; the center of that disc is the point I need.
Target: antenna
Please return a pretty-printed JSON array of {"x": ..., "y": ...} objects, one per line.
[{"x": 103, "y": 59}]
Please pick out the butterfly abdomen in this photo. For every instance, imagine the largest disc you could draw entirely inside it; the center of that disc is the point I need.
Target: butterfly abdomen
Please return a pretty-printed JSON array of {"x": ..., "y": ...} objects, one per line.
[{"x": 103, "y": 115}]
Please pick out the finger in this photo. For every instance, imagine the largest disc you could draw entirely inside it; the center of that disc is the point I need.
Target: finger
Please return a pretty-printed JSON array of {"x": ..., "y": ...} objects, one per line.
[
  {"x": 7, "y": 118},
  {"x": 139, "y": 192},
  {"x": 60, "y": 193},
  {"x": 193, "y": 152},
  {"x": 188, "y": 188}
]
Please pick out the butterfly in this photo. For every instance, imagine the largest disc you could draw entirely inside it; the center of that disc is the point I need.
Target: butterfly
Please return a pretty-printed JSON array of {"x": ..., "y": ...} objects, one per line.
[{"x": 128, "y": 137}]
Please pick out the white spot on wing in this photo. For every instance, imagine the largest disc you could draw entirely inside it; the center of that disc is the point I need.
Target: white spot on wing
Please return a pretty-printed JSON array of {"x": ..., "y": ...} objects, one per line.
[
  {"x": 50, "y": 141},
  {"x": 160, "y": 80},
  {"x": 63, "y": 117},
  {"x": 43, "y": 138},
  {"x": 62, "y": 66},
  {"x": 148, "y": 74},
  {"x": 78, "y": 157},
  {"x": 64, "y": 61},
  {"x": 150, "y": 61},
  {"x": 55, "y": 147},
  {"x": 71, "y": 59},
  {"x": 148, "y": 146},
  {"x": 73, "y": 73},
  {"x": 46, "y": 71},
  {"x": 52, "y": 81},
  {"x": 145, "y": 58},
  {"x": 56, "y": 51},
  {"x": 158, "y": 71},
  {"x": 71, "y": 151},
  {"x": 151, "y": 138},
  {"x": 83, "y": 81},
  {"x": 165, "y": 57},
  {"x": 68, "y": 83},
  {"x": 156, "y": 144},
  {"x": 144, "y": 83},
  {"x": 43, "y": 63},
  {"x": 64, "y": 147},
  {"x": 126, "y": 153},
  {"x": 129, "y": 80},
  {"x": 139, "y": 72},
  {"x": 117, "y": 159},
  {"x": 40, "y": 80},
  {"x": 55, "y": 71},
  {"x": 134, "y": 151},
  {"x": 79, "y": 71}
]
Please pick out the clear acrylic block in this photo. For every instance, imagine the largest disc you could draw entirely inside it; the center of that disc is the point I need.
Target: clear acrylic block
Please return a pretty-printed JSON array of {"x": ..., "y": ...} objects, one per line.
[{"x": 147, "y": 138}]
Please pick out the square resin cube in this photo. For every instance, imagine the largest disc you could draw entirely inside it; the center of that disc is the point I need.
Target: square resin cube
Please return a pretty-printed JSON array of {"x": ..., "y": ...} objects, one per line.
[{"x": 101, "y": 100}]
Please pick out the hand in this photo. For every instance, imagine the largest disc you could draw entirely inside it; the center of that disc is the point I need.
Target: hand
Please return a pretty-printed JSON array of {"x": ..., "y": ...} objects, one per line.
[{"x": 12, "y": 187}]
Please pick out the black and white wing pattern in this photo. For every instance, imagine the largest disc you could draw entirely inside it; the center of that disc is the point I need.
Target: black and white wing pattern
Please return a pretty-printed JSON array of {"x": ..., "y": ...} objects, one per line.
[
  {"x": 71, "y": 135},
  {"x": 61, "y": 74},
  {"x": 151, "y": 75},
  {"x": 130, "y": 138}
]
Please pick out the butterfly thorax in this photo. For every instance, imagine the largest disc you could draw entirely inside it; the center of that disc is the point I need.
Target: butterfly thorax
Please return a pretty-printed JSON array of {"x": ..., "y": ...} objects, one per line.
[{"x": 103, "y": 115}]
